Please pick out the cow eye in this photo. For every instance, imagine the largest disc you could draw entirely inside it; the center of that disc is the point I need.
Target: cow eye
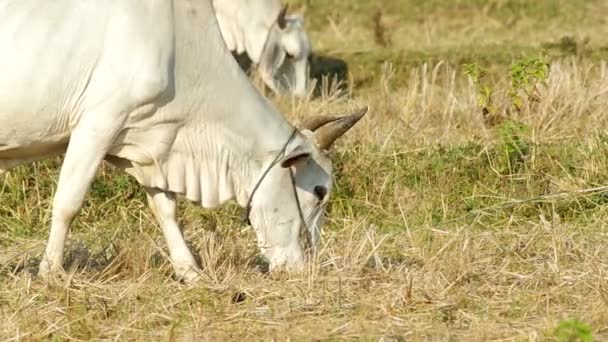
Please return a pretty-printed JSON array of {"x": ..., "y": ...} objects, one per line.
[{"x": 320, "y": 192}]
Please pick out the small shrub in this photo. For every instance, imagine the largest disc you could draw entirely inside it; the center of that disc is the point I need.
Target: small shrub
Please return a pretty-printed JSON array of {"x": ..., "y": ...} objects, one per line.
[
  {"x": 515, "y": 145},
  {"x": 525, "y": 77},
  {"x": 476, "y": 73},
  {"x": 573, "y": 330}
]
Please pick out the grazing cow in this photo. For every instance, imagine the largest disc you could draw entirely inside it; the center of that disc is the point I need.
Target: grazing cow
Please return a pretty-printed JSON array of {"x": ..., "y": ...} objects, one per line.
[
  {"x": 150, "y": 86},
  {"x": 274, "y": 42}
]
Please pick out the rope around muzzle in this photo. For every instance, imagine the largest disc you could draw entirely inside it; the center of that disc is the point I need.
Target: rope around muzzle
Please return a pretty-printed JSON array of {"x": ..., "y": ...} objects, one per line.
[{"x": 305, "y": 234}]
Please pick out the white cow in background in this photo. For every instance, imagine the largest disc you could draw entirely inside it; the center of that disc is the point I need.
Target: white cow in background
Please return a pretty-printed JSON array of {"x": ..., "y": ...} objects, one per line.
[
  {"x": 274, "y": 41},
  {"x": 150, "y": 86}
]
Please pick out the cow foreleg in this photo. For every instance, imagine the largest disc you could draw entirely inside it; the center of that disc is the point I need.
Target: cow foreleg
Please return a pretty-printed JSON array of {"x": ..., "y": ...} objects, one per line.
[
  {"x": 88, "y": 145},
  {"x": 163, "y": 205}
]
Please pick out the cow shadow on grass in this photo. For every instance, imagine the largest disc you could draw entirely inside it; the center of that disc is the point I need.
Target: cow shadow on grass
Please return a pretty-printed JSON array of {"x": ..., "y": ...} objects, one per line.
[
  {"x": 127, "y": 259},
  {"x": 77, "y": 257},
  {"x": 328, "y": 73},
  {"x": 113, "y": 260}
]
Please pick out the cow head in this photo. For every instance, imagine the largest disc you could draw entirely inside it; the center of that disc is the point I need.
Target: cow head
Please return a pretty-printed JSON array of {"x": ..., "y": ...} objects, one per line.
[
  {"x": 288, "y": 205},
  {"x": 284, "y": 63}
]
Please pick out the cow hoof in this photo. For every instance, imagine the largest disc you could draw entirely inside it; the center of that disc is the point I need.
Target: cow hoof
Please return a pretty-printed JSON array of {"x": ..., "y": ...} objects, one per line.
[
  {"x": 189, "y": 275},
  {"x": 46, "y": 267},
  {"x": 51, "y": 274}
]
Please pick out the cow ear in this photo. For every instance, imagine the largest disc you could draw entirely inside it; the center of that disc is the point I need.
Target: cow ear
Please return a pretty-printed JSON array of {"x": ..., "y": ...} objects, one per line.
[
  {"x": 281, "y": 18},
  {"x": 295, "y": 156}
]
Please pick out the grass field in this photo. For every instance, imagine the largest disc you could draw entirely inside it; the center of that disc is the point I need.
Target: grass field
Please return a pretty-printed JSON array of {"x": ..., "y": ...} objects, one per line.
[{"x": 467, "y": 206}]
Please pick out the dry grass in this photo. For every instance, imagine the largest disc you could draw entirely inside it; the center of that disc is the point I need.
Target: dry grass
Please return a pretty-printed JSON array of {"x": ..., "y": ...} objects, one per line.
[
  {"x": 427, "y": 236},
  {"x": 438, "y": 104}
]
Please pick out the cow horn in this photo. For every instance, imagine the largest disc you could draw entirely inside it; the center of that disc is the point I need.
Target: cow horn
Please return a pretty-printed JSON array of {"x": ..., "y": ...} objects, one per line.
[
  {"x": 281, "y": 18},
  {"x": 313, "y": 123},
  {"x": 328, "y": 133}
]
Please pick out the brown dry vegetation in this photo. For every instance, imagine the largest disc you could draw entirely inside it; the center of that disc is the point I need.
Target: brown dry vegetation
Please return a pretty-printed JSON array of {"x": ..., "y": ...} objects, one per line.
[{"x": 444, "y": 224}]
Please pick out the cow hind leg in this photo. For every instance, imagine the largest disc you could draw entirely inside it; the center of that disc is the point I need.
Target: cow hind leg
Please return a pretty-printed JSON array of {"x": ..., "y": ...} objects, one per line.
[
  {"x": 163, "y": 205},
  {"x": 88, "y": 145}
]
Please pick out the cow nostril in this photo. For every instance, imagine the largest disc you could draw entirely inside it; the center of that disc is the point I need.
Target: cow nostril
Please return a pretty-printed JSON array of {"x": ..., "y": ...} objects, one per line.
[{"x": 320, "y": 192}]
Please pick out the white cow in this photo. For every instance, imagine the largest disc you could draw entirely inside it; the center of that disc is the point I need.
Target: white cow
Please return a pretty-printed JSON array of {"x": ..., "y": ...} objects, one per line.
[
  {"x": 150, "y": 86},
  {"x": 275, "y": 42}
]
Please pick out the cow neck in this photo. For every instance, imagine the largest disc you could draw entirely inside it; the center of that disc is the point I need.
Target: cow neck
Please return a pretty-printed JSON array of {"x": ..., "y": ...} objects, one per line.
[{"x": 232, "y": 125}]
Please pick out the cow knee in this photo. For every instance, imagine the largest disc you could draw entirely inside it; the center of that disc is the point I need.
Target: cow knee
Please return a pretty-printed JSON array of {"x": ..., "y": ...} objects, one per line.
[
  {"x": 64, "y": 210},
  {"x": 149, "y": 88},
  {"x": 166, "y": 210},
  {"x": 164, "y": 205}
]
